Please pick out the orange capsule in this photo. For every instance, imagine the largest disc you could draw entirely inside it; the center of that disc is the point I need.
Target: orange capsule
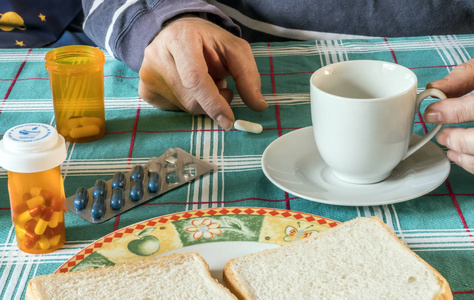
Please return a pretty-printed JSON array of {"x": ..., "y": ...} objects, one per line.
[
  {"x": 43, "y": 222},
  {"x": 30, "y": 240},
  {"x": 56, "y": 204},
  {"x": 28, "y": 243},
  {"x": 36, "y": 211},
  {"x": 59, "y": 229},
  {"x": 30, "y": 225},
  {"x": 27, "y": 196},
  {"x": 30, "y": 214},
  {"x": 20, "y": 208},
  {"x": 47, "y": 213},
  {"x": 47, "y": 195},
  {"x": 32, "y": 236},
  {"x": 49, "y": 232}
]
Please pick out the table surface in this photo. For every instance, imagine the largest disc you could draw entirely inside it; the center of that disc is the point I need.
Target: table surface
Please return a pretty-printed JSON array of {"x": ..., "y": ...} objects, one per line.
[{"x": 437, "y": 226}]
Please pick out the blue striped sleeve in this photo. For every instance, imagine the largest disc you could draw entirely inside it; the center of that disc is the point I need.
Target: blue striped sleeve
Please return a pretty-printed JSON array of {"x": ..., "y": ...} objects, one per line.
[{"x": 125, "y": 27}]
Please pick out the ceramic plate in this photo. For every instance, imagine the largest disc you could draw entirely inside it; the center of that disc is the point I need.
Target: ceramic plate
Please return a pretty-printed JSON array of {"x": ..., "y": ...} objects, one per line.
[
  {"x": 292, "y": 162},
  {"x": 218, "y": 234}
]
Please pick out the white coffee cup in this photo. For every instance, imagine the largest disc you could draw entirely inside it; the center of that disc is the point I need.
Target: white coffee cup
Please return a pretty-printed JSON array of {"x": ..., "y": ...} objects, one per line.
[{"x": 363, "y": 114}]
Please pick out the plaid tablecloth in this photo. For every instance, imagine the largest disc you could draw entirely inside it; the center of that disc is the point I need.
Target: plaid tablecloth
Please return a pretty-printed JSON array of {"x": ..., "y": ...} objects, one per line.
[{"x": 438, "y": 226}]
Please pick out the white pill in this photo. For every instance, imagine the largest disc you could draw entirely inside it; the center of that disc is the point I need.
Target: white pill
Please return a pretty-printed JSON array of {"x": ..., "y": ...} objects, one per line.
[{"x": 248, "y": 126}]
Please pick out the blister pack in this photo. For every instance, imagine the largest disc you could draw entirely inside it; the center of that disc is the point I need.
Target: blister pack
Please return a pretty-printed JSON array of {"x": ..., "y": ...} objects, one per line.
[{"x": 124, "y": 191}]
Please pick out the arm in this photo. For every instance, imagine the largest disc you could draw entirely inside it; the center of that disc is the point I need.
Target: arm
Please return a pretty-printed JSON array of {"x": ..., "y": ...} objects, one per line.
[
  {"x": 125, "y": 27},
  {"x": 184, "y": 66},
  {"x": 460, "y": 141}
]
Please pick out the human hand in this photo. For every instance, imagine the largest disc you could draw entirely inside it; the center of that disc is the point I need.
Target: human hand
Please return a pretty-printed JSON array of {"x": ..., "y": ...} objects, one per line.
[
  {"x": 185, "y": 67},
  {"x": 453, "y": 110}
]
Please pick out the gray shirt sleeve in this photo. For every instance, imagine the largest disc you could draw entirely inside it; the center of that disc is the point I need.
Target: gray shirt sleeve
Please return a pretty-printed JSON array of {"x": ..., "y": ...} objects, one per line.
[{"x": 125, "y": 27}]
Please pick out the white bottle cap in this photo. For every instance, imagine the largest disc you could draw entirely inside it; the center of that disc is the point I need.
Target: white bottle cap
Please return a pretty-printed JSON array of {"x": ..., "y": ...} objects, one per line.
[{"x": 32, "y": 147}]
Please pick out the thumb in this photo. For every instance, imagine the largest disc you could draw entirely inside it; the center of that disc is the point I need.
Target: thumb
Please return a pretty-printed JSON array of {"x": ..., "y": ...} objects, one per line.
[{"x": 457, "y": 83}]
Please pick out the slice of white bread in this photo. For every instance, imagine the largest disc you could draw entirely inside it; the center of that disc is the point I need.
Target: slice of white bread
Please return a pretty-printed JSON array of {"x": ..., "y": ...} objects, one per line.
[
  {"x": 358, "y": 259},
  {"x": 176, "y": 276}
]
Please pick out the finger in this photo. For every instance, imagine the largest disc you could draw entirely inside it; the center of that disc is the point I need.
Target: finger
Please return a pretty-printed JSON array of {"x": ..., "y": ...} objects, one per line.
[
  {"x": 156, "y": 100},
  {"x": 174, "y": 90},
  {"x": 242, "y": 67},
  {"x": 228, "y": 94},
  {"x": 197, "y": 83},
  {"x": 216, "y": 68},
  {"x": 178, "y": 94},
  {"x": 154, "y": 89},
  {"x": 221, "y": 84},
  {"x": 463, "y": 160},
  {"x": 458, "y": 82},
  {"x": 451, "y": 111},
  {"x": 458, "y": 139}
]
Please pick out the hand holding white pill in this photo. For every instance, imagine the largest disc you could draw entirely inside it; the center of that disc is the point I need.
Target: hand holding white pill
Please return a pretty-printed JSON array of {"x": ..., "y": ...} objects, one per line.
[
  {"x": 185, "y": 67},
  {"x": 248, "y": 126}
]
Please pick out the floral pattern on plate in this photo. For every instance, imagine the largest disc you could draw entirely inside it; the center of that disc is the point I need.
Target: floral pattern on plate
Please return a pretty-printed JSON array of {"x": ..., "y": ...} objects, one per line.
[{"x": 162, "y": 234}]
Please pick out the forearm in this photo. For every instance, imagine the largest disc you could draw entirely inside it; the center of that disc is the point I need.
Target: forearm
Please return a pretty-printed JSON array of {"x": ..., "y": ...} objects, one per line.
[{"x": 125, "y": 28}]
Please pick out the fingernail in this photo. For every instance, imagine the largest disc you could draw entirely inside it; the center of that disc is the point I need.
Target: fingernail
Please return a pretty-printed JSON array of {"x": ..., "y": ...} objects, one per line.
[
  {"x": 262, "y": 99},
  {"x": 442, "y": 138},
  {"x": 433, "y": 117},
  {"x": 454, "y": 157},
  {"x": 224, "y": 122},
  {"x": 437, "y": 82},
  {"x": 265, "y": 104}
]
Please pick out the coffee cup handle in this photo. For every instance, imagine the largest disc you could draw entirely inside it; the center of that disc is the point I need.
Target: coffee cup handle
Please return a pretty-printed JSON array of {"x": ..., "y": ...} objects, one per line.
[{"x": 419, "y": 98}]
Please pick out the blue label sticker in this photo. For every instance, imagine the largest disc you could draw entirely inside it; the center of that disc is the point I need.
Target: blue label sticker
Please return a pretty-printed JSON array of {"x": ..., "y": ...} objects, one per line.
[{"x": 29, "y": 132}]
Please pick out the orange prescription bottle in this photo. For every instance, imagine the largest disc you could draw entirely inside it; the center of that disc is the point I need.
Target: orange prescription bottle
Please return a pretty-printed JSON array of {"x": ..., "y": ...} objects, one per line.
[
  {"x": 32, "y": 154},
  {"x": 76, "y": 77}
]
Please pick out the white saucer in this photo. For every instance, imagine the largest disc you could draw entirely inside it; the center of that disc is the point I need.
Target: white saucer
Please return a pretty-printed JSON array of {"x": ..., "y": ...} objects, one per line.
[{"x": 293, "y": 163}]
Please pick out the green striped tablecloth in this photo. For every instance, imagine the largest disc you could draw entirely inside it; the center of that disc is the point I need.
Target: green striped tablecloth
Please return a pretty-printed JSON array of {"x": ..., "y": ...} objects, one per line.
[{"x": 438, "y": 226}]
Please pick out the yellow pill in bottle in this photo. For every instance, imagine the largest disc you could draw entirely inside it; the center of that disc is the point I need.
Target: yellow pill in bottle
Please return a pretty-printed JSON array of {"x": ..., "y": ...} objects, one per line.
[
  {"x": 54, "y": 241},
  {"x": 63, "y": 130},
  {"x": 32, "y": 154},
  {"x": 41, "y": 227},
  {"x": 44, "y": 243},
  {"x": 58, "y": 216},
  {"x": 91, "y": 121},
  {"x": 83, "y": 132},
  {"x": 73, "y": 123},
  {"x": 35, "y": 191},
  {"x": 76, "y": 78},
  {"x": 35, "y": 201},
  {"x": 20, "y": 232}
]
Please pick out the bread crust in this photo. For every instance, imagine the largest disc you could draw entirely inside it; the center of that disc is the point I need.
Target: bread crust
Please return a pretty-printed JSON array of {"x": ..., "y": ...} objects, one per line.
[
  {"x": 34, "y": 292},
  {"x": 233, "y": 284},
  {"x": 236, "y": 287},
  {"x": 30, "y": 293},
  {"x": 446, "y": 293}
]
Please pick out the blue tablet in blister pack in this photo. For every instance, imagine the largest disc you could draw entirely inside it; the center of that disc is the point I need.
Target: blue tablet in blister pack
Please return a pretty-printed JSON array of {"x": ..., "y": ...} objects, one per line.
[{"x": 125, "y": 190}]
